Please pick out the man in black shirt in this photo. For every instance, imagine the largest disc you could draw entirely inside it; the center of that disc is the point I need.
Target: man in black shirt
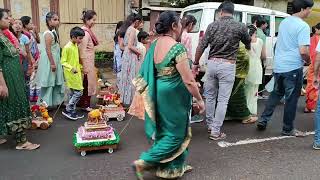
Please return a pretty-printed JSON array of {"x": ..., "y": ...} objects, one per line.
[{"x": 223, "y": 36}]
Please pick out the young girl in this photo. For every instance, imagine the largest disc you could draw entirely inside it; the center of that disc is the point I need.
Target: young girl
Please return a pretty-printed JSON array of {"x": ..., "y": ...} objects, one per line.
[
  {"x": 30, "y": 31},
  {"x": 254, "y": 77},
  {"x": 129, "y": 58},
  {"x": 86, "y": 48},
  {"x": 50, "y": 72},
  {"x": 26, "y": 59},
  {"x": 188, "y": 23},
  {"x": 117, "y": 52},
  {"x": 137, "y": 106}
]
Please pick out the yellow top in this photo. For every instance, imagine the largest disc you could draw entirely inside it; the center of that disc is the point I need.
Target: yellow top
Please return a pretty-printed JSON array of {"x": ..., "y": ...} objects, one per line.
[{"x": 70, "y": 60}]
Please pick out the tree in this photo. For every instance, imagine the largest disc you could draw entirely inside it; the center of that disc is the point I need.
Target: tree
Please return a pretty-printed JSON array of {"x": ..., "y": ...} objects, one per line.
[{"x": 185, "y": 3}]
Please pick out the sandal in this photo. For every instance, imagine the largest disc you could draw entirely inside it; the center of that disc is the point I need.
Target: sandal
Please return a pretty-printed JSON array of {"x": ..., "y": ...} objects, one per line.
[
  {"x": 306, "y": 110},
  {"x": 137, "y": 170},
  {"x": 251, "y": 120},
  {"x": 2, "y": 141},
  {"x": 28, "y": 146},
  {"x": 188, "y": 169},
  {"x": 220, "y": 136}
]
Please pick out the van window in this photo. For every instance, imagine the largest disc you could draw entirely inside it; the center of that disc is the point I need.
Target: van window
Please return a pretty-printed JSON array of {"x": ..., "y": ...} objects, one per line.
[
  {"x": 266, "y": 17},
  {"x": 236, "y": 15},
  {"x": 198, "y": 15},
  {"x": 277, "y": 24}
]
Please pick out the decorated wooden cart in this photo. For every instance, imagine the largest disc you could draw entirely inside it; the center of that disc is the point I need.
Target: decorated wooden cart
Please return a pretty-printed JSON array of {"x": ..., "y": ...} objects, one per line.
[
  {"x": 84, "y": 146},
  {"x": 95, "y": 134},
  {"x": 40, "y": 116}
]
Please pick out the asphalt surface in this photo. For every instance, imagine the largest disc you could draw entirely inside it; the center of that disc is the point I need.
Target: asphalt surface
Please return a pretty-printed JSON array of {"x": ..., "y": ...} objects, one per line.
[{"x": 291, "y": 159}]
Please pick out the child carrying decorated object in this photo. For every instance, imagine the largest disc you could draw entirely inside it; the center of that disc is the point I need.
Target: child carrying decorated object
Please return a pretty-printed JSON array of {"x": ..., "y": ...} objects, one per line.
[{"x": 72, "y": 72}]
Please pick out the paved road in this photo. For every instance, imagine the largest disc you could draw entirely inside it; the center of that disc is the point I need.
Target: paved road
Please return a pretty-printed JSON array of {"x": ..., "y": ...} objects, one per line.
[{"x": 282, "y": 159}]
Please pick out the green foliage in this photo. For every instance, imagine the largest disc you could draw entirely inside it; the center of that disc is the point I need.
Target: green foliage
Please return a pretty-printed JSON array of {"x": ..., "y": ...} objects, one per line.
[
  {"x": 103, "y": 56},
  {"x": 185, "y": 3}
]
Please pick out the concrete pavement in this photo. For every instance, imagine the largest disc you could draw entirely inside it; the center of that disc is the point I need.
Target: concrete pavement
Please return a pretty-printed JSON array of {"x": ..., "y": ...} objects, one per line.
[
  {"x": 287, "y": 159},
  {"x": 56, "y": 159}
]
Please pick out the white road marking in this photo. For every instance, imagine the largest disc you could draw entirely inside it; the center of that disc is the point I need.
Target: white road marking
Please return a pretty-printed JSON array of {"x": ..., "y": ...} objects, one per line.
[{"x": 253, "y": 141}]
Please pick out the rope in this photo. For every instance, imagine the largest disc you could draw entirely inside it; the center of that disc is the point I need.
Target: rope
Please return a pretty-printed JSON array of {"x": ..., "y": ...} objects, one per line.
[
  {"x": 54, "y": 115},
  {"x": 125, "y": 126}
]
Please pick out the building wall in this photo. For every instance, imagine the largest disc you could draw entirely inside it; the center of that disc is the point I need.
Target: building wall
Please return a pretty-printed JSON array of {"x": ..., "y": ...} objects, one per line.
[
  {"x": 109, "y": 13},
  {"x": 44, "y": 8},
  {"x": 20, "y": 8}
]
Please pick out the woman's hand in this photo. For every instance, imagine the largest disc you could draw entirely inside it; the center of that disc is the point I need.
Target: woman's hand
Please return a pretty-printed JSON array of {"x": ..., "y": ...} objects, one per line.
[
  {"x": 74, "y": 71},
  {"x": 315, "y": 83},
  {"x": 3, "y": 91},
  {"x": 195, "y": 70},
  {"x": 201, "y": 106},
  {"x": 85, "y": 71},
  {"x": 30, "y": 70},
  {"x": 35, "y": 65},
  {"x": 53, "y": 67}
]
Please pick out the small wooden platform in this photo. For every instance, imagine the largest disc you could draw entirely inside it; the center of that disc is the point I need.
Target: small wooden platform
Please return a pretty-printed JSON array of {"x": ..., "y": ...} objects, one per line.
[{"x": 83, "y": 150}]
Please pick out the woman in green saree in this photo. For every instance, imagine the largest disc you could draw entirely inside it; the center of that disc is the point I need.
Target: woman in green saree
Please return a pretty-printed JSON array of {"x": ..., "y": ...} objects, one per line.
[
  {"x": 167, "y": 85},
  {"x": 237, "y": 106}
]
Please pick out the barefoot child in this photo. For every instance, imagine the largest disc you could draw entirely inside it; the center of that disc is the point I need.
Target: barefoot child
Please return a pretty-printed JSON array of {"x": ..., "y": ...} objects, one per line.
[{"x": 72, "y": 72}]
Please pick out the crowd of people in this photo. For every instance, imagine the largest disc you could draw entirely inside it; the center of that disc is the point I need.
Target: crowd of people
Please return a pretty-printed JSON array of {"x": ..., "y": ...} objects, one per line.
[
  {"x": 34, "y": 71},
  {"x": 158, "y": 77}
]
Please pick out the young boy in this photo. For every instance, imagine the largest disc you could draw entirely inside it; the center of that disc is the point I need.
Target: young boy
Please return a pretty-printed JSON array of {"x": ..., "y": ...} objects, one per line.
[
  {"x": 72, "y": 72},
  {"x": 143, "y": 40}
]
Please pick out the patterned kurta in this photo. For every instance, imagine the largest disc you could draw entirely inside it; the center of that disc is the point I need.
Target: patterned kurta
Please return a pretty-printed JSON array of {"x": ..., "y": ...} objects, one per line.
[
  {"x": 128, "y": 69},
  {"x": 14, "y": 109}
]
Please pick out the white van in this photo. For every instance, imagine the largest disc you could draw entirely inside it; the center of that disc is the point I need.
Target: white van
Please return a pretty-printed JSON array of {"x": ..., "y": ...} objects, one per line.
[{"x": 206, "y": 13}]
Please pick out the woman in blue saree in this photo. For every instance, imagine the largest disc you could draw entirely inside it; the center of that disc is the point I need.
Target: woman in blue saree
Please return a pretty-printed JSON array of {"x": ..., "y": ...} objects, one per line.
[{"x": 167, "y": 85}]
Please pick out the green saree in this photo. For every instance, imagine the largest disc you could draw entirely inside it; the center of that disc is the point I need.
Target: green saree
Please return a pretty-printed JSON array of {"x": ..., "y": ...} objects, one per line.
[
  {"x": 168, "y": 105},
  {"x": 237, "y": 106}
]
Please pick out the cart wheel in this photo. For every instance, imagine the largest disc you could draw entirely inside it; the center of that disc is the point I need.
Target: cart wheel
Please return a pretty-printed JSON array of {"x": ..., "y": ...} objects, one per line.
[
  {"x": 83, "y": 153},
  {"x": 34, "y": 125},
  {"x": 110, "y": 150},
  {"x": 44, "y": 126},
  {"x": 120, "y": 117}
]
